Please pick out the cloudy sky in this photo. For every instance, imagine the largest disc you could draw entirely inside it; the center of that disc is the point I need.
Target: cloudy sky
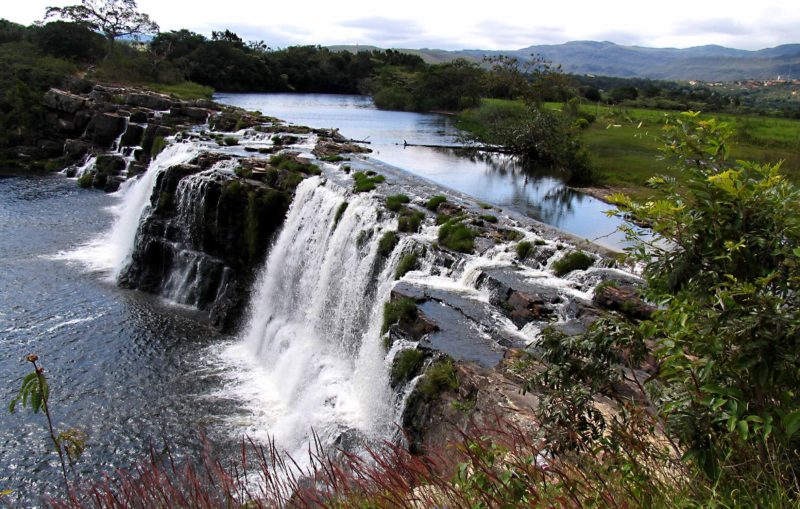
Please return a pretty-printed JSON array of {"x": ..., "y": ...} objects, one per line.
[{"x": 496, "y": 24}]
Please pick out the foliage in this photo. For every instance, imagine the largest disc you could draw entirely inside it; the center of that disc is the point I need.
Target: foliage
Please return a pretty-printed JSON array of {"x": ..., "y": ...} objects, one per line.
[
  {"x": 409, "y": 220},
  {"x": 365, "y": 183},
  {"x": 85, "y": 180},
  {"x": 576, "y": 260},
  {"x": 439, "y": 377},
  {"x": 407, "y": 263},
  {"x": 406, "y": 364},
  {"x": 456, "y": 236},
  {"x": 387, "y": 243},
  {"x": 489, "y": 218},
  {"x": 396, "y": 201},
  {"x": 723, "y": 262},
  {"x": 402, "y": 311},
  {"x": 112, "y": 18},
  {"x": 433, "y": 203},
  {"x": 524, "y": 249}
]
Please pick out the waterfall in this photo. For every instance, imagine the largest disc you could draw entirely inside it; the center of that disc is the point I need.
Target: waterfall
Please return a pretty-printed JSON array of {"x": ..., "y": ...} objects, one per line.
[
  {"x": 311, "y": 348},
  {"x": 111, "y": 251}
]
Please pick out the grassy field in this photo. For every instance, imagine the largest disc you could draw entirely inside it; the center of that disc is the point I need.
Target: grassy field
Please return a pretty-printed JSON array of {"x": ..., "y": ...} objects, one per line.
[{"x": 623, "y": 142}]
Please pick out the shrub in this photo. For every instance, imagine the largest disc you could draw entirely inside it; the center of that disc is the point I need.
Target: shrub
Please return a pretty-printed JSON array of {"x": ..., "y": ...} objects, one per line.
[
  {"x": 524, "y": 249},
  {"x": 396, "y": 202},
  {"x": 407, "y": 264},
  {"x": 402, "y": 311},
  {"x": 334, "y": 158},
  {"x": 577, "y": 260},
  {"x": 457, "y": 236},
  {"x": 406, "y": 364},
  {"x": 489, "y": 218},
  {"x": 434, "y": 202},
  {"x": 387, "y": 243}
]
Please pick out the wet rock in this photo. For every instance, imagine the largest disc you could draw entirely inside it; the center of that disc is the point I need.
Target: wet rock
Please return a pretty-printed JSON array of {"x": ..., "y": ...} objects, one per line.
[
  {"x": 110, "y": 164},
  {"x": 136, "y": 168},
  {"x": 330, "y": 148},
  {"x": 624, "y": 299},
  {"x": 75, "y": 150},
  {"x": 150, "y": 101},
  {"x": 140, "y": 116},
  {"x": 104, "y": 128},
  {"x": 197, "y": 114},
  {"x": 133, "y": 136},
  {"x": 62, "y": 101}
]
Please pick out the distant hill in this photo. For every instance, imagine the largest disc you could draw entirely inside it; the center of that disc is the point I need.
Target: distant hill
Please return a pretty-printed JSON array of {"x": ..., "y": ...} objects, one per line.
[{"x": 706, "y": 63}]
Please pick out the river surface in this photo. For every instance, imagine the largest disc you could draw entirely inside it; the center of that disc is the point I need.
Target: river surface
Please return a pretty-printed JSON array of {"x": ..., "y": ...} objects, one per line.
[
  {"x": 496, "y": 179},
  {"x": 129, "y": 369}
]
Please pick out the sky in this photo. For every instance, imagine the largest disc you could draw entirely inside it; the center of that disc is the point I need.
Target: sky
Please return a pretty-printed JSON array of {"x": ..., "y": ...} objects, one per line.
[{"x": 467, "y": 24}]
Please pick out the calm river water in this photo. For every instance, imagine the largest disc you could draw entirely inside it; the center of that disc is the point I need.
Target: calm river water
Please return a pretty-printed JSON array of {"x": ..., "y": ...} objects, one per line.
[{"x": 499, "y": 180}]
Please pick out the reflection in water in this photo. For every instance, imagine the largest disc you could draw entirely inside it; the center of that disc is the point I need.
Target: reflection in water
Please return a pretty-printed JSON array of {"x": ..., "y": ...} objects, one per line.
[{"x": 497, "y": 179}]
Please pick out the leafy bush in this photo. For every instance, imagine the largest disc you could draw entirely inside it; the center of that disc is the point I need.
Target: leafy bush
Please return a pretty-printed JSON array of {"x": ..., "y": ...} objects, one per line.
[
  {"x": 402, "y": 311},
  {"x": 524, "y": 249},
  {"x": 409, "y": 221},
  {"x": 230, "y": 141},
  {"x": 434, "y": 202},
  {"x": 576, "y": 260},
  {"x": 396, "y": 202},
  {"x": 387, "y": 243},
  {"x": 457, "y": 236},
  {"x": 407, "y": 263}
]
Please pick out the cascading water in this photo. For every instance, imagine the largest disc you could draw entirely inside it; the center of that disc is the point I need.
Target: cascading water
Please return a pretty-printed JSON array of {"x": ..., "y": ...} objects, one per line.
[
  {"x": 111, "y": 251},
  {"x": 311, "y": 349}
]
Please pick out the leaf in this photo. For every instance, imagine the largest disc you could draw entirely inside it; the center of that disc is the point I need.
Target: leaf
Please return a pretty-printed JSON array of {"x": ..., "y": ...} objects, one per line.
[
  {"x": 791, "y": 422},
  {"x": 6, "y": 492},
  {"x": 744, "y": 429}
]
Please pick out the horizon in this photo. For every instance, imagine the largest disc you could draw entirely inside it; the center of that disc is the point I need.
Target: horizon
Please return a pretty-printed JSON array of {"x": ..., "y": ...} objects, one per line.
[{"x": 507, "y": 27}]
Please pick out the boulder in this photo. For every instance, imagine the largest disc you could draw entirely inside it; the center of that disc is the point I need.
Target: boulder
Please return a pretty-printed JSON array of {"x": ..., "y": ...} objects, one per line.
[
  {"x": 140, "y": 116},
  {"x": 76, "y": 149},
  {"x": 64, "y": 102},
  {"x": 109, "y": 164},
  {"x": 104, "y": 128},
  {"x": 150, "y": 101},
  {"x": 624, "y": 299},
  {"x": 133, "y": 136}
]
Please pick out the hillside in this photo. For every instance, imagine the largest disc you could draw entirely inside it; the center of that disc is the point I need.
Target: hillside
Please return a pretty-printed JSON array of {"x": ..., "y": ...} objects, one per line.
[{"x": 706, "y": 63}]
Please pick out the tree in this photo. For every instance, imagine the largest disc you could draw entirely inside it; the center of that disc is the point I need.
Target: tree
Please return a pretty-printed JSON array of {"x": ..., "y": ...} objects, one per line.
[{"x": 112, "y": 18}]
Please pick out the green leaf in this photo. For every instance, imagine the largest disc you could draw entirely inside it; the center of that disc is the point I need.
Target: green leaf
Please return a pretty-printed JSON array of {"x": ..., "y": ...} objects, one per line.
[
  {"x": 791, "y": 422},
  {"x": 744, "y": 429}
]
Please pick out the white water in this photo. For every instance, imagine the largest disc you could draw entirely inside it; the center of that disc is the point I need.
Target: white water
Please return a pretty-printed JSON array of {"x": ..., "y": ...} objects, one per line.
[
  {"x": 311, "y": 356},
  {"x": 111, "y": 251}
]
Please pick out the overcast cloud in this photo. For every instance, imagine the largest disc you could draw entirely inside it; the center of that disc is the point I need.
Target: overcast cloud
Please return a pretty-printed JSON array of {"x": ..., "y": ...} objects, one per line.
[{"x": 499, "y": 24}]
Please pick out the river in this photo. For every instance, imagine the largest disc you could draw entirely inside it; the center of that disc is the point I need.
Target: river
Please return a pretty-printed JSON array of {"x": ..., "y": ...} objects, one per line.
[{"x": 496, "y": 179}]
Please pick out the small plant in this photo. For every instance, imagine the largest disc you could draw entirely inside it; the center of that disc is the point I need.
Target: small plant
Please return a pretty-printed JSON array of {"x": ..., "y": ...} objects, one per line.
[
  {"x": 365, "y": 182},
  {"x": 409, "y": 221},
  {"x": 434, "y": 202},
  {"x": 438, "y": 378},
  {"x": 406, "y": 365},
  {"x": 524, "y": 249},
  {"x": 489, "y": 218},
  {"x": 396, "y": 202},
  {"x": 407, "y": 264},
  {"x": 339, "y": 214},
  {"x": 402, "y": 311},
  {"x": 539, "y": 242},
  {"x": 334, "y": 159},
  {"x": 230, "y": 141},
  {"x": 85, "y": 180},
  {"x": 457, "y": 236},
  {"x": 577, "y": 260},
  {"x": 485, "y": 206},
  {"x": 387, "y": 243},
  {"x": 35, "y": 392}
]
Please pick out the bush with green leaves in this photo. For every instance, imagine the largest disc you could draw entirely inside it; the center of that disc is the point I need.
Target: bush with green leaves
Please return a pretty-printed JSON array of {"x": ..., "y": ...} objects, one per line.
[
  {"x": 408, "y": 263},
  {"x": 723, "y": 260},
  {"x": 524, "y": 249}
]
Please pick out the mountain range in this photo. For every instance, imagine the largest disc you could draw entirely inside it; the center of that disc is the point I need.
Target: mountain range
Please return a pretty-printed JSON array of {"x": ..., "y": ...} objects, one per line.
[{"x": 704, "y": 63}]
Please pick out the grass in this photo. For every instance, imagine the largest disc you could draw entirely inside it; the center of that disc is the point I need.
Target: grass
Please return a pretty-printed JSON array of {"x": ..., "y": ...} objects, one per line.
[
  {"x": 437, "y": 379},
  {"x": 396, "y": 202},
  {"x": 489, "y": 218},
  {"x": 364, "y": 182},
  {"x": 456, "y": 236},
  {"x": 577, "y": 260},
  {"x": 339, "y": 213},
  {"x": 409, "y": 220},
  {"x": 407, "y": 264},
  {"x": 524, "y": 249},
  {"x": 159, "y": 143},
  {"x": 402, "y": 311},
  {"x": 334, "y": 159},
  {"x": 623, "y": 142},
  {"x": 406, "y": 364},
  {"x": 434, "y": 202},
  {"x": 186, "y": 90},
  {"x": 387, "y": 243},
  {"x": 289, "y": 163}
]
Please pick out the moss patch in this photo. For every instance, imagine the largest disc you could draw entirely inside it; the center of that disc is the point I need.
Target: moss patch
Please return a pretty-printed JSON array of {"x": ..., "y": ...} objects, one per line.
[
  {"x": 406, "y": 365},
  {"x": 437, "y": 379},
  {"x": 365, "y": 182},
  {"x": 577, "y": 260},
  {"x": 401, "y": 312},
  {"x": 524, "y": 249},
  {"x": 387, "y": 243},
  {"x": 396, "y": 202},
  {"x": 434, "y": 202},
  {"x": 456, "y": 236},
  {"x": 408, "y": 263}
]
